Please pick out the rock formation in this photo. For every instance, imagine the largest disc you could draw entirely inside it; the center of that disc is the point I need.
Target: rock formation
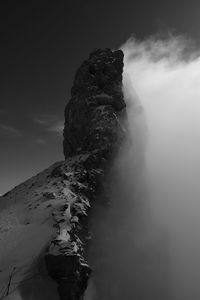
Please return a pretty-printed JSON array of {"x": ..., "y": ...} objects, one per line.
[
  {"x": 46, "y": 223},
  {"x": 97, "y": 99},
  {"x": 93, "y": 130}
]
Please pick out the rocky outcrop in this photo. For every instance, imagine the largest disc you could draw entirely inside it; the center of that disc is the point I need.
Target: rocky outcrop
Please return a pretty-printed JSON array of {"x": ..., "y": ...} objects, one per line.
[
  {"x": 96, "y": 97},
  {"x": 94, "y": 131}
]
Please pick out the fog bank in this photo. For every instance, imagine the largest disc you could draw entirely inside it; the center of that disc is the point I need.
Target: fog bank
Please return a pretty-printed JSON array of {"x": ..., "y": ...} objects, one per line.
[{"x": 165, "y": 76}]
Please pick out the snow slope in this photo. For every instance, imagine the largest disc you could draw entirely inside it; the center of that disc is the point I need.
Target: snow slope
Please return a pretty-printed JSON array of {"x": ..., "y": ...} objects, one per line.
[{"x": 34, "y": 215}]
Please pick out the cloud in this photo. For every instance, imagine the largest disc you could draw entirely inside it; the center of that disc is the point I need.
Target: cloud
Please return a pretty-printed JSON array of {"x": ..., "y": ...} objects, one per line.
[
  {"x": 172, "y": 49},
  {"x": 57, "y": 127},
  {"x": 40, "y": 141},
  {"x": 50, "y": 123},
  {"x": 10, "y": 131},
  {"x": 45, "y": 119},
  {"x": 165, "y": 75}
]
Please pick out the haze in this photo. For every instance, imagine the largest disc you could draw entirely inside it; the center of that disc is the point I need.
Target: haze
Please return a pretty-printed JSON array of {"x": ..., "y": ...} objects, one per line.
[{"x": 165, "y": 76}]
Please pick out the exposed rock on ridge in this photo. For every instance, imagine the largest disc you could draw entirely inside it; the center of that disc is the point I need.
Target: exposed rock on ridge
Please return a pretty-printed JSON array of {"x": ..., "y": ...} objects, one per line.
[
  {"x": 93, "y": 127},
  {"x": 96, "y": 92},
  {"x": 45, "y": 222}
]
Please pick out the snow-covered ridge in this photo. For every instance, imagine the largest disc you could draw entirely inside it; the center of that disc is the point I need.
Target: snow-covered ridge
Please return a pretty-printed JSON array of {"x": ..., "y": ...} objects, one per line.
[
  {"x": 38, "y": 216},
  {"x": 45, "y": 223}
]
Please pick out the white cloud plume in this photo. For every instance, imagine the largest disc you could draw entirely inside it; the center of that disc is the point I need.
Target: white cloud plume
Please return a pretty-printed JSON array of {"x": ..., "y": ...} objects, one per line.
[{"x": 165, "y": 75}]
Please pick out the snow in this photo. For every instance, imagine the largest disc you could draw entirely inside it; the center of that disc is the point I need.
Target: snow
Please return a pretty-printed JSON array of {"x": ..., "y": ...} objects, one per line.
[{"x": 36, "y": 216}]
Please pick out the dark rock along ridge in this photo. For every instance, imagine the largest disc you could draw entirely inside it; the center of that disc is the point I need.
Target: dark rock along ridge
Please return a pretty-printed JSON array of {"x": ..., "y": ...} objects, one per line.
[
  {"x": 93, "y": 127},
  {"x": 96, "y": 92}
]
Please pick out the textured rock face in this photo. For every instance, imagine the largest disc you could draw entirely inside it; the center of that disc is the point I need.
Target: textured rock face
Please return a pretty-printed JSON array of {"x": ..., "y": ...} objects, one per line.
[
  {"x": 96, "y": 97},
  {"x": 94, "y": 130}
]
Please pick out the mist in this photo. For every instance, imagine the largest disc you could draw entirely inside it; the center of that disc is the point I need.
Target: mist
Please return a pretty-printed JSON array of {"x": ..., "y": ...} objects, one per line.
[
  {"x": 147, "y": 240},
  {"x": 164, "y": 74}
]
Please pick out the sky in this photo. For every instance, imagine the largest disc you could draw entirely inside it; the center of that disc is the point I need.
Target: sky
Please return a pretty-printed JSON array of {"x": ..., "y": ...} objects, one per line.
[{"x": 42, "y": 45}]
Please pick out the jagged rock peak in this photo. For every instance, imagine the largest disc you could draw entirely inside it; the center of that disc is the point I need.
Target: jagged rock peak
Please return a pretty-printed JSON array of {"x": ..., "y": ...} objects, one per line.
[
  {"x": 96, "y": 93},
  {"x": 99, "y": 72}
]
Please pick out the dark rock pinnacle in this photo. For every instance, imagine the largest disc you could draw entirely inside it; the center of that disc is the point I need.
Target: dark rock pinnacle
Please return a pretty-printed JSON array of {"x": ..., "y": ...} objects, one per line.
[
  {"x": 93, "y": 132},
  {"x": 96, "y": 92}
]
